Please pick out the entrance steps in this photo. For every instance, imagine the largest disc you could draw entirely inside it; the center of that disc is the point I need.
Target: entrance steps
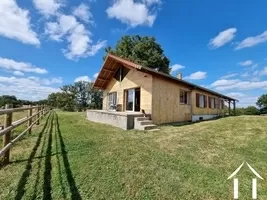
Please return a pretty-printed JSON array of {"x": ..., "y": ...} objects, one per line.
[{"x": 145, "y": 124}]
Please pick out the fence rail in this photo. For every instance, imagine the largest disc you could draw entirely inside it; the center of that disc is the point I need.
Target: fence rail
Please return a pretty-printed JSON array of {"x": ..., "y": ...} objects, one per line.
[{"x": 40, "y": 111}]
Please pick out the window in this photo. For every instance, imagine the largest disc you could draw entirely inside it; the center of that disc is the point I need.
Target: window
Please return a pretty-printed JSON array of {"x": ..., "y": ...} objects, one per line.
[
  {"x": 216, "y": 103},
  {"x": 184, "y": 97},
  {"x": 112, "y": 100},
  {"x": 212, "y": 102},
  {"x": 201, "y": 101},
  {"x": 121, "y": 73}
]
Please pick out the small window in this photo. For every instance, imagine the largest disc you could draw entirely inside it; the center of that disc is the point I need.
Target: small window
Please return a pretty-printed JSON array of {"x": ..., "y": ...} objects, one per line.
[
  {"x": 184, "y": 97},
  {"x": 112, "y": 100}
]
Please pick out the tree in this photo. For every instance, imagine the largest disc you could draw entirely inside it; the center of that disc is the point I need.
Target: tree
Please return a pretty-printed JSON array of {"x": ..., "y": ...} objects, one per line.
[
  {"x": 95, "y": 97},
  {"x": 78, "y": 96},
  {"x": 81, "y": 89},
  {"x": 8, "y": 99},
  {"x": 251, "y": 110},
  {"x": 262, "y": 103},
  {"x": 142, "y": 50}
]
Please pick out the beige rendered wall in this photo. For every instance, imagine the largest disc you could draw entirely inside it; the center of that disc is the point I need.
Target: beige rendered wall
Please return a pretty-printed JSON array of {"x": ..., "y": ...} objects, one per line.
[{"x": 133, "y": 79}]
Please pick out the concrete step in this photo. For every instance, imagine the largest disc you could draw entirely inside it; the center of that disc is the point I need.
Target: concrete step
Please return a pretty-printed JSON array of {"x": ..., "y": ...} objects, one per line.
[
  {"x": 149, "y": 127},
  {"x": 146, "y": 122},
  {"x": 141, "y": 118}
]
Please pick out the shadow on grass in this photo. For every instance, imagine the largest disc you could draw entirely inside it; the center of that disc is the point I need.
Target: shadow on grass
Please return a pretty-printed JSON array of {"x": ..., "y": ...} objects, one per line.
[
  {"x": 28, "y": 168},
  {"x": 71, "y": 181},
  {"x": 48, "y": 165},
  {"x": 51, "y": 126},
  {"x": 59, "y": 165},
  {"x": 35, "y": 158}
]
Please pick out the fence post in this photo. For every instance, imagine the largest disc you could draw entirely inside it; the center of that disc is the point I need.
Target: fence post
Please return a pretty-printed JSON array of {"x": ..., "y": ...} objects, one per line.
[
  {"x": 30, "y": 120},
  {"x": 42, "y": 111},
  {"x": 38, "y": 109},
  {"x": 7, "y": 136}
]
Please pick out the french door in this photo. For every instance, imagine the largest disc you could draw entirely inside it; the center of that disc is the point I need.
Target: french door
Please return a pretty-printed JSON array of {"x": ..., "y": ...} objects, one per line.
[{"x": 132, "y": 99}]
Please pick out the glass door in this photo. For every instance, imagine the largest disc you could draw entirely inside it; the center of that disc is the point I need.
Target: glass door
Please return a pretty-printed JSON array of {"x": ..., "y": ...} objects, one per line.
[{"x": 130, "y": 99}]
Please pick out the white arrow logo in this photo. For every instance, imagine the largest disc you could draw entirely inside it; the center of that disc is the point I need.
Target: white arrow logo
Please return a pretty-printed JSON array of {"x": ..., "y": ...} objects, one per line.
[{"x": 254, "y": 181}]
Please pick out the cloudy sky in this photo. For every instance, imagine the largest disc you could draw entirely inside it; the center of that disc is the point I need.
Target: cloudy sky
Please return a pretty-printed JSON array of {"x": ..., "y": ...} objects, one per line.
[{"x": 48, "y": 43}]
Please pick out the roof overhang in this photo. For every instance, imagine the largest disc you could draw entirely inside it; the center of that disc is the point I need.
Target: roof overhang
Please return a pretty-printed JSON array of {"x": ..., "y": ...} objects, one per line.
[
  {"x": 112, "y": 63},
  {"x": 109, "y": 68}
]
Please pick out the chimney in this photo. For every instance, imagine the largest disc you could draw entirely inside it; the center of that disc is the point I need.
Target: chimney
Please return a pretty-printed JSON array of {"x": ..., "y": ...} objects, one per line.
[{"x": 179, "y": 76}]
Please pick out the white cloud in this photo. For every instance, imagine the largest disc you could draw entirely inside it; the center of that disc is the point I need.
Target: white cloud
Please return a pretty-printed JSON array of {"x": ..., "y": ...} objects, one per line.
[
  {"x": 245, "y": 75},
  {"x": 79, "y": 38},
  {"x": 82, "y": 78},
  {"x": 246, "y": 63},
  {"x": 197, "y": 76},
  {"x": 15, "y": 23},
  {"x": 150, "y": 2},
  {"x": 263, "y": 72},
  {"x": 176, "y": 67},
  {"x": 252, "y": 41},
  {"x": 47, "y": 7},
  {"x": 83, "y": 12},
  {"x": 10, "y": 64},
  {"x": 133, "y": 13},
  {"x": 52, "y": 81},
  {"x": 224, "y": 82},
  {"x": 18, "y": 73},
  {"x": 96, "y": 75},
  {"x": 229, "y": 76},
  {"x": 236, "y": 84},
  {"x": 244, "y": 99},
  {"x": 25, "y": 88},
  {"x": 222, "y": 38}
]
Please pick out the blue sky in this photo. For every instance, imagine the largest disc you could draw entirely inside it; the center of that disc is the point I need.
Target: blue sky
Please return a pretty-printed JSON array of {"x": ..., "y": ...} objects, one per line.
[{"x": 220, "y": 45}]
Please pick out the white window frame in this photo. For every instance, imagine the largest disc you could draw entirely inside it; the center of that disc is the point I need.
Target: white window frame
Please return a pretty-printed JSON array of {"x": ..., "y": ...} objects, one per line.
[{"x": 112, "y": 100}]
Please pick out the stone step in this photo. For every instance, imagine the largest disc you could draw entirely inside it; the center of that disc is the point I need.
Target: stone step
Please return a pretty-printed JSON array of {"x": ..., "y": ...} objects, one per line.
[
  {"x": 149, "y": 127},
  {"x": 146, "y": 122},
  {"x": 141, "y": 118}
]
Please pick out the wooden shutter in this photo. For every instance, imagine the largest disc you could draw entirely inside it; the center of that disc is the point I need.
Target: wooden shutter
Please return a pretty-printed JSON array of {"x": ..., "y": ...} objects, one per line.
[
  {"x": 205, "y": 101},
  {"x": 197, "y": 100},
  {"x": 209, "y": 99}
]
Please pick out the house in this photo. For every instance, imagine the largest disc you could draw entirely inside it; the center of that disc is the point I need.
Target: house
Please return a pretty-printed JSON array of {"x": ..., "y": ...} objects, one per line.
[{"x": 129, "y": 90}]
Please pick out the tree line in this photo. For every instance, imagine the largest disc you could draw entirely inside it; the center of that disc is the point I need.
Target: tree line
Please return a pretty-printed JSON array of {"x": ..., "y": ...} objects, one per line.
[
  {"x": 76, "y": 97},
  {"x": 15, "y": 102}
]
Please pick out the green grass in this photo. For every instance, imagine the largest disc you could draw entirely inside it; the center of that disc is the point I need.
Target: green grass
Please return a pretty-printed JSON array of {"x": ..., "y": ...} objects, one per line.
[
  {"x": 68, "y": 157},
  {"x": 16, "y": 116}
]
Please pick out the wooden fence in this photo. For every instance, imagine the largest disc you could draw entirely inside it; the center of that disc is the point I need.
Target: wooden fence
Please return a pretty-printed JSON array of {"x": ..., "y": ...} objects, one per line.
[{"x": 9, "y": 125}]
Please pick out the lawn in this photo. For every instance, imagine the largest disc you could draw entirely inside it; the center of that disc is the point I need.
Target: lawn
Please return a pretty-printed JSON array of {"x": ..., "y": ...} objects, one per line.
[{"x": 68, "y": 157}]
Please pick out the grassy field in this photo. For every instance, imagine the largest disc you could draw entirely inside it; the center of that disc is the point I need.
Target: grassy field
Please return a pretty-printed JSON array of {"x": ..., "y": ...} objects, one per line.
[
  {"x": 68, "y": 157},
  {"x": 16, "y": 116}
]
